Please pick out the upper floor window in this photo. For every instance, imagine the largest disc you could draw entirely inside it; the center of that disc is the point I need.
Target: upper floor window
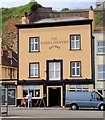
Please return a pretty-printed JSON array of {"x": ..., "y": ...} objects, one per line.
[
  {"x": 54, "y": 71},
  {"x": 34, "y": 44},
  {"x": 75, "y": 42},
  {"x": 34, "y": 69},
  {"x": 101, "y": 72},
  {"x": 75, "y": 69},
  {"x": 101, "y": 47}
]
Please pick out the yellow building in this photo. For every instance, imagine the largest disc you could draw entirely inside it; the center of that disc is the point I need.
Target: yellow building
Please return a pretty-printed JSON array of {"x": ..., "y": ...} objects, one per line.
[
  {"x": 55, "y": 55},
  {"x": 8, "y": 75}
]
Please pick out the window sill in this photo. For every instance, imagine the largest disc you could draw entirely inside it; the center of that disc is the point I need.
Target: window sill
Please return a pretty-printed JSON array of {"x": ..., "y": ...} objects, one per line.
[
  {"x": 34, "y": 51},
  {"x": 100, "y": 54},
  {"x": 75, "y": 76},
  {"x": 74, "y": 49},
  {"x": 101, "y": 80},
  {"x": 33, "y": 77}
]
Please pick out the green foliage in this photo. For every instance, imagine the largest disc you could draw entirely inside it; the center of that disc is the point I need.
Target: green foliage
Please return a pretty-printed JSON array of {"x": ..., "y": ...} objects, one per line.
[
  {"x": 14, "y": 12},
  {"x": 97, "y": 19},
  {"x": 65, "y": 9}
]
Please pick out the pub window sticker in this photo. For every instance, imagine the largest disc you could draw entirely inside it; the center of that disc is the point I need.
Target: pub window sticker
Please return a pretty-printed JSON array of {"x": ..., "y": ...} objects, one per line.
[{"x": 11, "y": 94}]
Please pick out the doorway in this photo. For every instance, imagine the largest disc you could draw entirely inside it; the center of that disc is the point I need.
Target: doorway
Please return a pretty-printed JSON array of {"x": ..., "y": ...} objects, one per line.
[{"x": 54, "y": 96}]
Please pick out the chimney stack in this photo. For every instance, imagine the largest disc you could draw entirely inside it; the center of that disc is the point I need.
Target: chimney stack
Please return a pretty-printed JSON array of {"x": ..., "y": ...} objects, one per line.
[
  {"x": 91, "y": 16},
  {"x": 25, "y": 18}
]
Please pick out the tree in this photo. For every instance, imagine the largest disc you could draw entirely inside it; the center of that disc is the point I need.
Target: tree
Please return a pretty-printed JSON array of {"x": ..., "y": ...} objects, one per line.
[{"x": 65, "y": 9}]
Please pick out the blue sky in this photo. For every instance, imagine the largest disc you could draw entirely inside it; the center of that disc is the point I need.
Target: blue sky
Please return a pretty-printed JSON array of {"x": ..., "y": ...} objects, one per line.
[{"x": 55, "y": 4}]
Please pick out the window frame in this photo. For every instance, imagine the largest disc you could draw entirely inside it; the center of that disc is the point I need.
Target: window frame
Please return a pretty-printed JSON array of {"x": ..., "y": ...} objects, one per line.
[
  {"x": 100, "y": 72},
  {"x": 75, "y": 42},
  {"x": 61, "y": 69},
  {"x": 30, "y": 88},
  {"x": 35, "y": 69},
  {"x": 30, "y": 50},
  {"x": 75, "y": 68},
  {"x": 80, "y": 87},
  {"x": 102, "y": 47}
]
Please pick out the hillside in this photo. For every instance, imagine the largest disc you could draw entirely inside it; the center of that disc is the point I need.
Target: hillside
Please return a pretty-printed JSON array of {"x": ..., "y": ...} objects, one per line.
[{"x": 11, "y": 17}]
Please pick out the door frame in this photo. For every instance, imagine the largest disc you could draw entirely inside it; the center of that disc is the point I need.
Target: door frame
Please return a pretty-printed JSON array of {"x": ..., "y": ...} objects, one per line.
[
  {"x": 47, "y": 69},
  {"x": 61, "y": 87}
]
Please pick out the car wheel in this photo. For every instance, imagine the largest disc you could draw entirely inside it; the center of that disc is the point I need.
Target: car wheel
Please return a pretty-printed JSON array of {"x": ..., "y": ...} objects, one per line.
[
  {"x": 74, "y": 107},
  {"x": 102, "y": 107}
]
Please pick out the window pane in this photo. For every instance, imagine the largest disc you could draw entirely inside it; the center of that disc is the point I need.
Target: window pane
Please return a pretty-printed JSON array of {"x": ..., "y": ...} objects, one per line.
[
  {"x": 73, "y": 71},
  {"x": 100, "y": 68},
  {"x": 78, "y": 37},
  {"x": 51, "y": 74},
  {"x": 36, "y": 73},
  {"x": 25, "y": 93},
  {"x": 72, "y": 45},
  {"x": 78, "y": 64},
  {"x": 32, "y": 73},
  {"x": 100, "y": 75},
  {"x": 101, "y": 43},
  {"x": 78, "y": 44},
  {"x": 36, "y": 46},
  {"x": 57, "y": 74},
  {"x": 36, "y": 39},
  {"x": 78, "y": 71},
  {"x": 37, "y": 93},
  {"x": 51, "y": 66},
  {"x": 73, "y": 64},
  {"x": 57, "y": 66},
  {"x": 72, "y": 37},
  {"x": 36, "y": 66}
]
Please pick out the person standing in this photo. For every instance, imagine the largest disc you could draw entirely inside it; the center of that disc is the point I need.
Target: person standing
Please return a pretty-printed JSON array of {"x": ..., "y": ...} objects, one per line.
[{"x": 29, "y": 97}]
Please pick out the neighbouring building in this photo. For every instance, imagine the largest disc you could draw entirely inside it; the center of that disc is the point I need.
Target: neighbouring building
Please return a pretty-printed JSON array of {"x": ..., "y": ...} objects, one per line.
[
  {"x": 55, "y": 55},
  {"x": 100, "y": 61},
  {"x": 8, "y": 76},
  {"x": 100, "y": 4}
]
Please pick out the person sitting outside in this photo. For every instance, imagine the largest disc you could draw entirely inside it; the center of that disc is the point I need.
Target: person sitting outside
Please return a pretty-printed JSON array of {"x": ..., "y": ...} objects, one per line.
[{"x": 23, "y": 102}]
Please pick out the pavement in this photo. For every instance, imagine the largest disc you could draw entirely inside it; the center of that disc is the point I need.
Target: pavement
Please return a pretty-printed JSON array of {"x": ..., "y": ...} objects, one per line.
[{"x": 50, "y": 113}]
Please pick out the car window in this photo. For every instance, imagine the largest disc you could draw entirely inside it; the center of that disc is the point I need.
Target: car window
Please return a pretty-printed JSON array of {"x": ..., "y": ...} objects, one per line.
[{"x": 95, "y": 96}]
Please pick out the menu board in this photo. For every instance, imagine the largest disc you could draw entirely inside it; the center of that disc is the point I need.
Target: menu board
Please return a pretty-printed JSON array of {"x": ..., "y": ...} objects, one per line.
[{"x": 11, "y": 96}]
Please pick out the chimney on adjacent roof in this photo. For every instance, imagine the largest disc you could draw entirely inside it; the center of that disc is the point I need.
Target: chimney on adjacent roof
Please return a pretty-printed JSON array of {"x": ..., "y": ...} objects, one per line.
[
  {"x": 25, "y": 18},
  {"x": 91, "y": 16}
]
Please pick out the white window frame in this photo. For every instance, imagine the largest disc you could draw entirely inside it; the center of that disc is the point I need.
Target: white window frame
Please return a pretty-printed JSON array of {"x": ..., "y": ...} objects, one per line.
[
  {"x": 54, "y": 70},
  {"x": 100, "y": 47},
  {"x": 79, "y": 87},
  {"x": 34, "y": 68},
  {"x": 34, "y": 88},
  {"x": 76, "y": 68},
  {"x": 75, "y": 41},
  {"x": 33, "y": 42},
  {"x": 101, "y": 72}
]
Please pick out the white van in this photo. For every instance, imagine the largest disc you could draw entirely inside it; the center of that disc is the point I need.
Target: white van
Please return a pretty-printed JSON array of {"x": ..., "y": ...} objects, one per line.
[{"x": 82, "y": 98}]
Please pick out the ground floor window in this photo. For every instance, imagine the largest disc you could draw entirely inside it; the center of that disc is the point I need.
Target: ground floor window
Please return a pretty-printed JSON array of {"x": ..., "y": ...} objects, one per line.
[
  {"x": 35, "y": 90},
  {"x": 8, "y": 95},
  {"x": 79, "y": 87}
]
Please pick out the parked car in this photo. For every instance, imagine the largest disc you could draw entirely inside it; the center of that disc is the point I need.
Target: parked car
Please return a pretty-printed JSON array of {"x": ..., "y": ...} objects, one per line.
[{"x": 76, "y": 99}]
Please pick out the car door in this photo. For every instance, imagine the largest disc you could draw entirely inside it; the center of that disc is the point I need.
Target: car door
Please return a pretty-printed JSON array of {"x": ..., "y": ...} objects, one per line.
[{"x": 95, "y": 99}]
